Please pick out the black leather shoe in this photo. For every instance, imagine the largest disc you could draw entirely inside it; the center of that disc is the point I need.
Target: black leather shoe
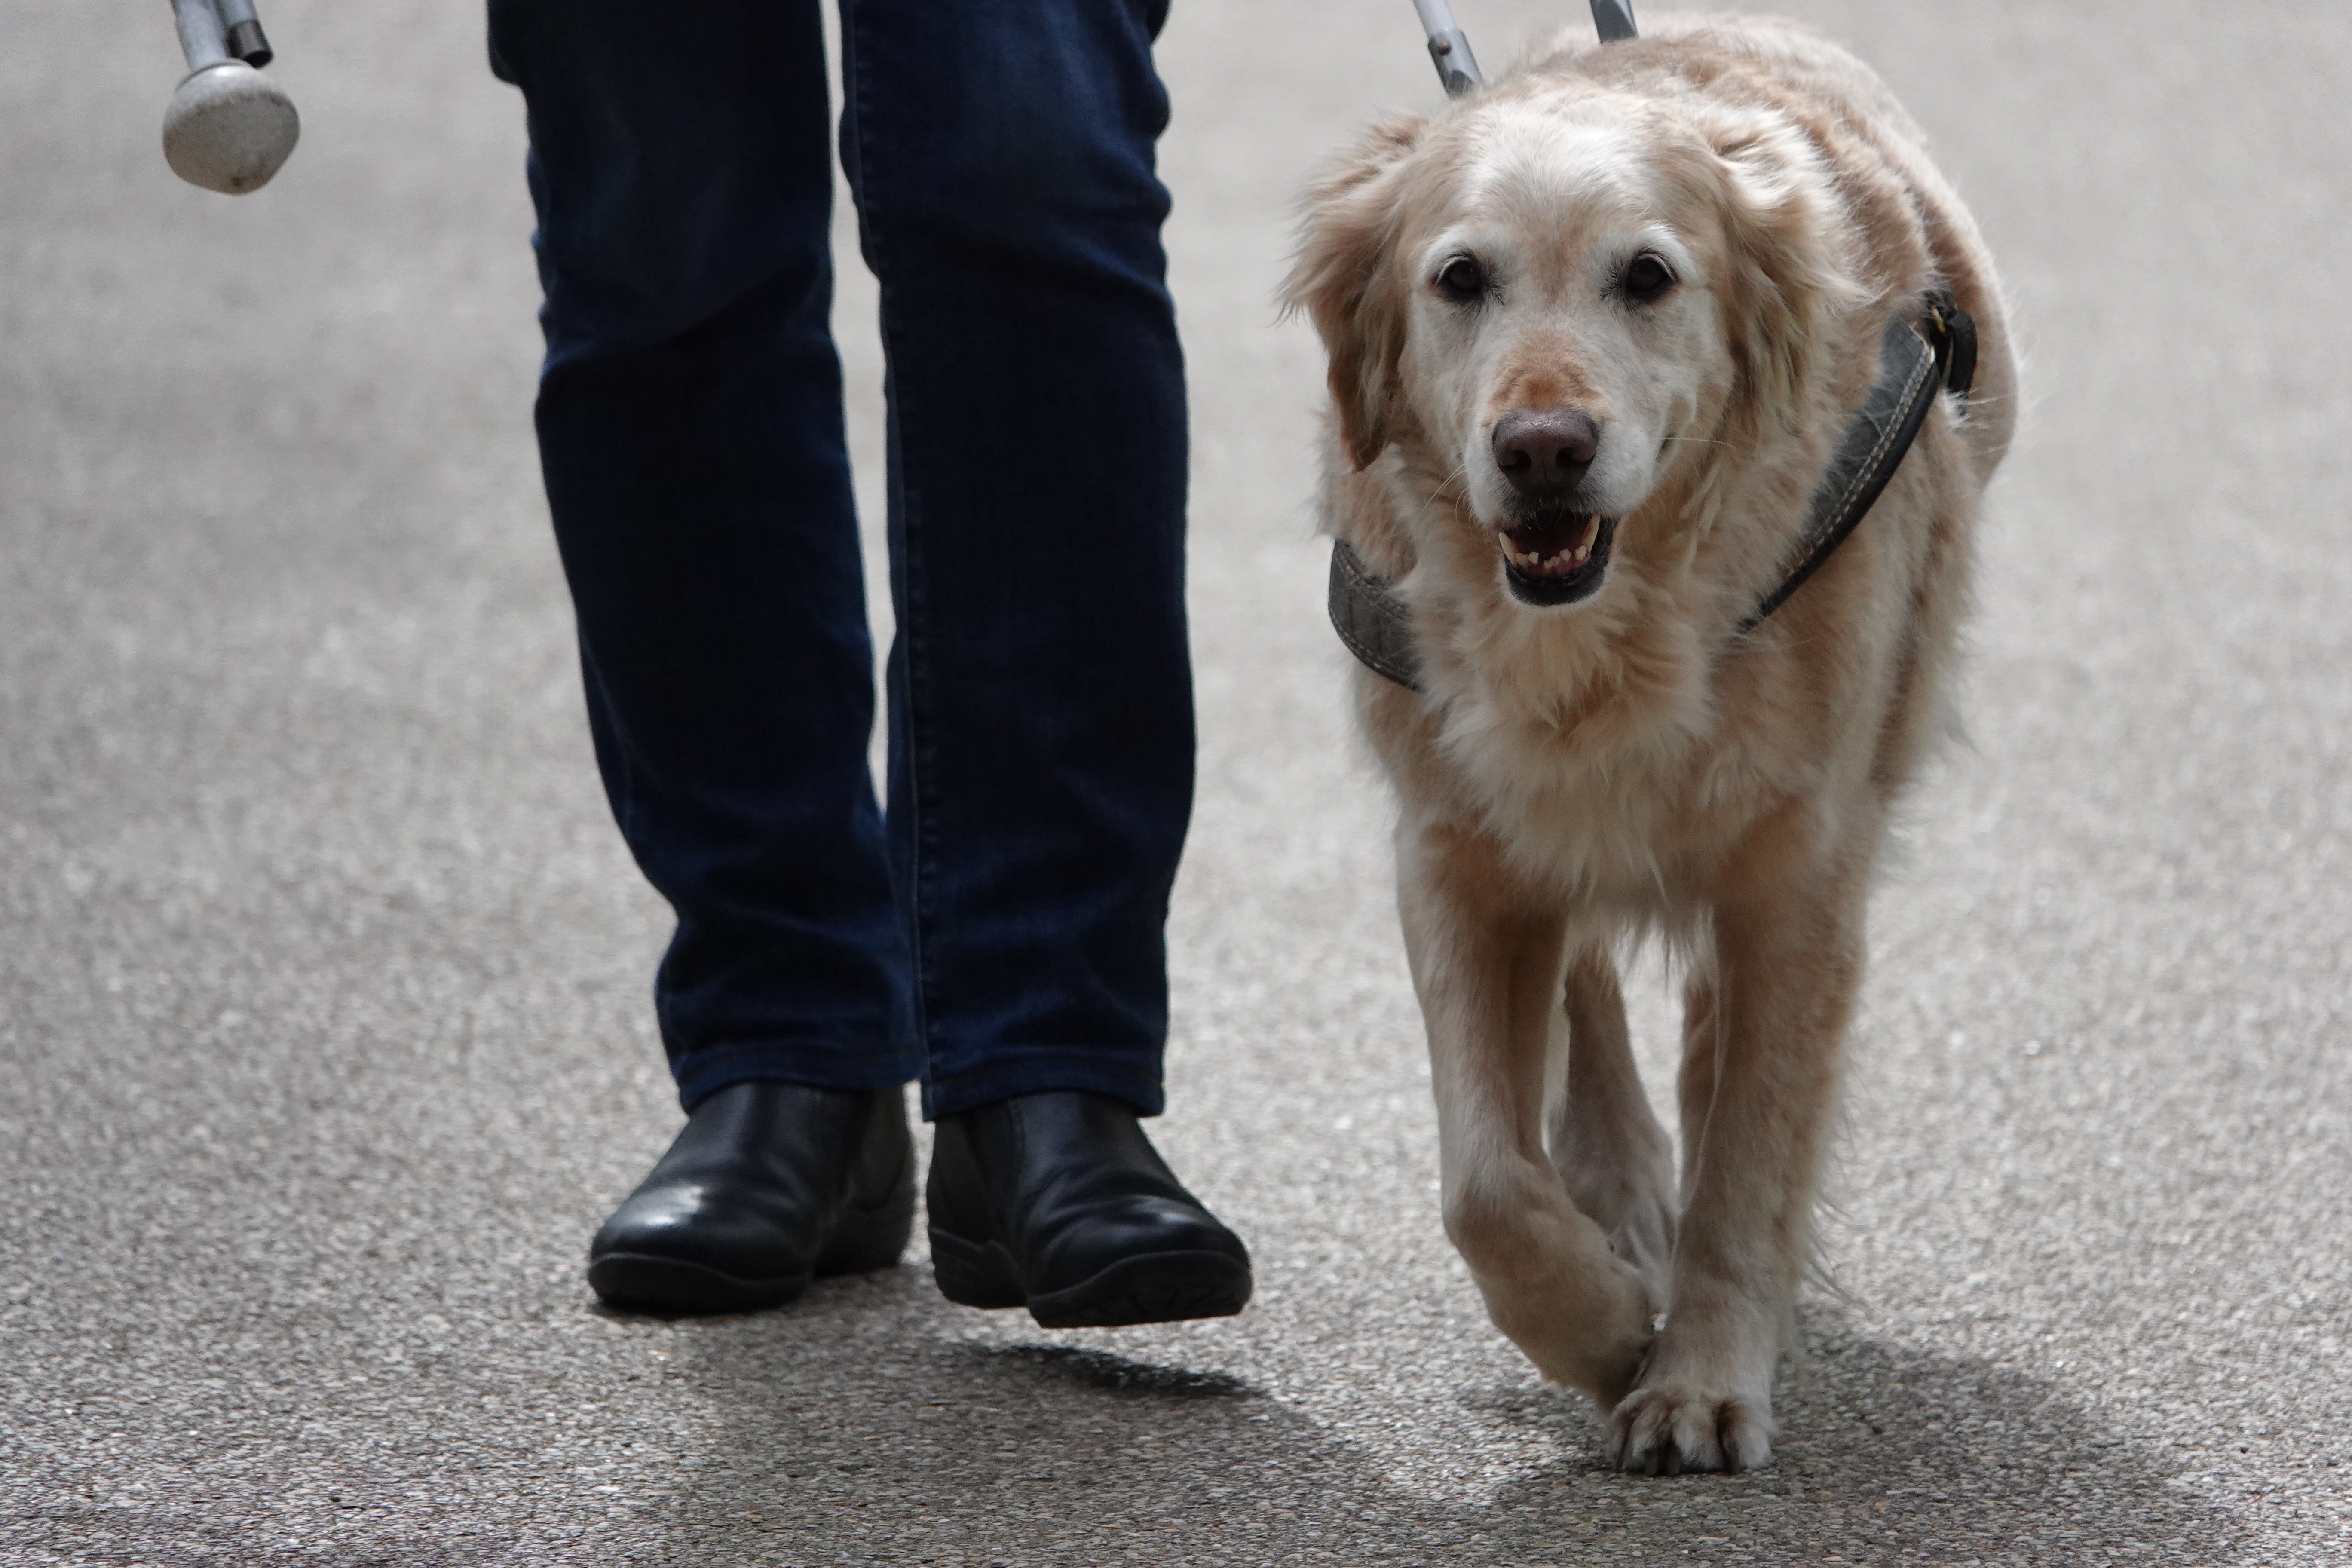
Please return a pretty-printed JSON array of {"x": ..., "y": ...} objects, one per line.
[
  {"x": 769, "y": 1186},
  {"x": 1059, "y": 1203}
]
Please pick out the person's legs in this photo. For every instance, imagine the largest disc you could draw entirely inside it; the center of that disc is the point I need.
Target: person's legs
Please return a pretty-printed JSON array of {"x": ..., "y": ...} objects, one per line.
[
  {"x": 1041, "y": 696},
  {"x": 1041, "y": 692},
  {"x": 690, "y": 429}
]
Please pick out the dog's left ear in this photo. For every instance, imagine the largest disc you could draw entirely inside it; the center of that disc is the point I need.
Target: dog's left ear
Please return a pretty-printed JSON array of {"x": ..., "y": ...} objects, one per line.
[
  {"x": 1785, "y": 272},
  {"x": 1346, "y": 280}
]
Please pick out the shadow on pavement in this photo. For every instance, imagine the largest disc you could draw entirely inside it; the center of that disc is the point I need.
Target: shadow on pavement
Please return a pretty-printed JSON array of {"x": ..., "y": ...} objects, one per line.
[
  {"x": 885, "y": 1445},
  {"x": 1099, "y": 1369},
  {"x": 1886, "y": 1454}
]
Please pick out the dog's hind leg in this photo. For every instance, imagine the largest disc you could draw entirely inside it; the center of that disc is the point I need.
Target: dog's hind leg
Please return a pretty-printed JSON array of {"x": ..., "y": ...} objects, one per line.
[
  {"x": 1760, "y": 1082},
  {"x": 1485, "y": 961},
  {"x": 1616, "y": 1160}
]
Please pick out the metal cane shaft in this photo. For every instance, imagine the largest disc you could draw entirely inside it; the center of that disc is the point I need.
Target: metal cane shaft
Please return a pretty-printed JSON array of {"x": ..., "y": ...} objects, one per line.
[
  {"x": 245, "y": 40},
  {"x": 204, "y": 37},
  {"x": 212, "y": 31},
  {"x": 1613, "y": 20},
  {"x": 1448, "y": 48}
]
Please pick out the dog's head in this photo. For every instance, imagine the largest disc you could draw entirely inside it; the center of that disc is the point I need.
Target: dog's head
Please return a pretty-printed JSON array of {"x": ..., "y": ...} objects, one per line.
[{"x": 1566, "y": 304}]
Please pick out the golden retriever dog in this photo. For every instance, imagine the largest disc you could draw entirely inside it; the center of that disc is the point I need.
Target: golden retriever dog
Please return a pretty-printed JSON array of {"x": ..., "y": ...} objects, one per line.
[{"x": 1594, "y": 334}]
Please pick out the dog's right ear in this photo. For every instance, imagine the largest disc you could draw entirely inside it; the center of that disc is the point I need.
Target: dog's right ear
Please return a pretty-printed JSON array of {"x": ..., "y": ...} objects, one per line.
[{"x": 1346, "y": 280}]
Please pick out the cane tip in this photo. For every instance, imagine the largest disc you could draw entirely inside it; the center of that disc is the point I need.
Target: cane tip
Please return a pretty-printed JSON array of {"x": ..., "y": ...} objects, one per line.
[{"x": 229, "y": 129}]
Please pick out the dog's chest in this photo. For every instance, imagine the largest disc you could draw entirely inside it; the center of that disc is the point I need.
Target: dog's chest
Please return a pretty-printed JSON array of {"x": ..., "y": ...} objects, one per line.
[{"x": 1624, "y": 804}]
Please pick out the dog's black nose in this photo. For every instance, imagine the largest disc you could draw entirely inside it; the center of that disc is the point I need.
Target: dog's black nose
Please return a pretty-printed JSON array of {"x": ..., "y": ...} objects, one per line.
[{"x": 1545, "y": 453}]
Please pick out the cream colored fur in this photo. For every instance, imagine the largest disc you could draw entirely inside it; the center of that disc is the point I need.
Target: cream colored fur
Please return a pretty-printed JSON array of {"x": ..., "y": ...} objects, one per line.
[{"x": 1572, "y": 776}]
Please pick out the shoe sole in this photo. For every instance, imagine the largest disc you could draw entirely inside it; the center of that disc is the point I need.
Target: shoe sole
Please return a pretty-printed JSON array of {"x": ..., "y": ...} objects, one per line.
[
  {"x": 1153, "y": 1288},
  {"x": 644, "y": 1281}
]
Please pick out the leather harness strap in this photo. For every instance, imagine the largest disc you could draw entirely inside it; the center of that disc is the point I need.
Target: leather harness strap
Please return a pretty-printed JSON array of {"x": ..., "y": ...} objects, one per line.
[
  {"x": 1913, "y": 367},
  {"x": 1911, "y": 371},
  {"x": 1370, "y": 619}
]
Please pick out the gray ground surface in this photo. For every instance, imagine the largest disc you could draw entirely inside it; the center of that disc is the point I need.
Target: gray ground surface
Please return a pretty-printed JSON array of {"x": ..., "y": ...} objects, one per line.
[{"x": 323, "y": 1033}]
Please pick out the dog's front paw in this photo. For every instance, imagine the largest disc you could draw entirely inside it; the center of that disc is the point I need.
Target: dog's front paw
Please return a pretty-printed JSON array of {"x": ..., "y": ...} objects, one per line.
[{"x": 1665, "y": 1428}]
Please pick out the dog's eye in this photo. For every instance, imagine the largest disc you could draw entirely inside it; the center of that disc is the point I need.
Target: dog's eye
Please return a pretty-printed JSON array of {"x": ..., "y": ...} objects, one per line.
[
  {"x": 1463, "y": 280},
  {"x": 1646, "y": 277}
]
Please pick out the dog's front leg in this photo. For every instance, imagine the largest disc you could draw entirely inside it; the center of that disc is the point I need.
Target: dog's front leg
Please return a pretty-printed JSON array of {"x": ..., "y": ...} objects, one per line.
[
  {"x": 1761, "y": 1045},
  {"x": 1617, "y": 1162},
  {"x": 1486, "y": 962}
]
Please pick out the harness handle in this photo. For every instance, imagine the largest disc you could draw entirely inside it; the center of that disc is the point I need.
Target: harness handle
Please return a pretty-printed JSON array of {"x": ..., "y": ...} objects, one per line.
[{"x": 1457, "y": 67}]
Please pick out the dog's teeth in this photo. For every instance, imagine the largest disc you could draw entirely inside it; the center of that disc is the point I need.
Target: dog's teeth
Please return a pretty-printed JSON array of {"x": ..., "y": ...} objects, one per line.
[{"x": 1557, "y": 562}]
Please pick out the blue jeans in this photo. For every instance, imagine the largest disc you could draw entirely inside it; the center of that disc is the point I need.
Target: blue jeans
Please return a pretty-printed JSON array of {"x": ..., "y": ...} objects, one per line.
[{"x": 1000, "y": 930}]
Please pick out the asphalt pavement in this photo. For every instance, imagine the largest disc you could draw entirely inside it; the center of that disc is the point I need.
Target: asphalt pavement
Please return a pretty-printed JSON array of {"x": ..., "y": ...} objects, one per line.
[{"x": 324, "y": 1031}]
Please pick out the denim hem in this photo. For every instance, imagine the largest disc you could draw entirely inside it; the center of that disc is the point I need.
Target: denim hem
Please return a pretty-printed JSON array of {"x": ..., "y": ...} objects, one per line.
[
  {"x": 1075, "y": 1069},
  {"x": 703, "y": 1073}
]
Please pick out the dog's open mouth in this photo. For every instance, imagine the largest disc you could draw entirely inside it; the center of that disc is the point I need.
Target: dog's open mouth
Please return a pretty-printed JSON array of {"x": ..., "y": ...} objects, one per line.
[{"x": 1555, "y": 557}]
